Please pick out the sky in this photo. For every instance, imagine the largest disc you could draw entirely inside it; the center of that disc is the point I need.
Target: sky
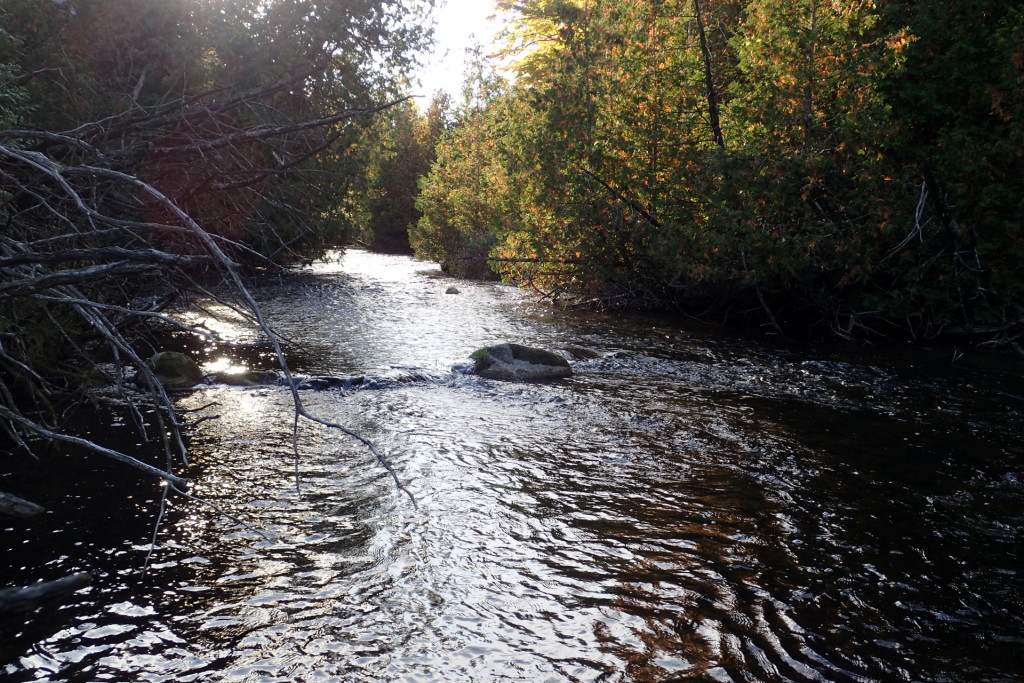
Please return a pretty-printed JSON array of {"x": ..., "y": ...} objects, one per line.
[{"x": 460, "y": 24}]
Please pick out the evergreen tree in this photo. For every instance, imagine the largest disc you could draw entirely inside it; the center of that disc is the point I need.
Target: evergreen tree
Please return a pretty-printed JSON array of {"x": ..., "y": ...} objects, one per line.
[
  {"x": 834, "y": 166},
  {"x": 401, "y": 147}
]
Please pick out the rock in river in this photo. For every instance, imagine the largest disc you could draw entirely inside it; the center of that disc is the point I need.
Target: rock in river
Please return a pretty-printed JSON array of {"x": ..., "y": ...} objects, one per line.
[
  {"x": 513, "y": 361},
  {"x": 175, "y": 370},
  {"x": 247, "y": 378}
]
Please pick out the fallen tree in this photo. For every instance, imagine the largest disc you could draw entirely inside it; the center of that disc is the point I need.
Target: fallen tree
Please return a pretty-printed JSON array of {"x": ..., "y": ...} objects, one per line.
[{"x": 103, "y": 231}]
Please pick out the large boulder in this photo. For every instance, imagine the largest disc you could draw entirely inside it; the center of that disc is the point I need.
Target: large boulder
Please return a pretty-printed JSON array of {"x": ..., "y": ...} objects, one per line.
[
  {"x": 516, "y": 362},
  {"x": 175, "y": 370}
]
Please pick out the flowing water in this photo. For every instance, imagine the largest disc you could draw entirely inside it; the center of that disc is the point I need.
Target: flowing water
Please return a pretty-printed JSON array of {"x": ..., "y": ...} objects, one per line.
[{"x": 687, "y": 507}]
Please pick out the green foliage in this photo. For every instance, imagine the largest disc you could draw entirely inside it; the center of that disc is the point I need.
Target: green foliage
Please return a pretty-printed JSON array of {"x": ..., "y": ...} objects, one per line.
[
  {"x": 467, "y": 200},
  {"x": 13, "y": 98},
  {"x": 399, "y": 149},
  {"x": 849, "y": 167},
  {"x": 957, "y": 105}
]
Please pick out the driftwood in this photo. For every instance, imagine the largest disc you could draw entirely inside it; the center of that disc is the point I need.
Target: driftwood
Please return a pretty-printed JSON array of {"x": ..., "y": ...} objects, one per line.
[
  {"x": 12, "y": 506},
  {"x": 28, "y": 598}
]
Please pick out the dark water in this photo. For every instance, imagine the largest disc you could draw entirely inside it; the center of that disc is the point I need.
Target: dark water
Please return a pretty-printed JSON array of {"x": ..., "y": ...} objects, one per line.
[{"x": 686, "y": 508}]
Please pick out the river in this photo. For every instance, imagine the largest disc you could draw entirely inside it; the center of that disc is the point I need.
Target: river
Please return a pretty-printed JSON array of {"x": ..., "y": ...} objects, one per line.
[{"x": 687, "y": 507}]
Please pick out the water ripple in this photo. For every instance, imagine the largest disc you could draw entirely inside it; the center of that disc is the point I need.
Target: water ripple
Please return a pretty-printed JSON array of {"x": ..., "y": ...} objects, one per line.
[{"x": 686, "y": 508}]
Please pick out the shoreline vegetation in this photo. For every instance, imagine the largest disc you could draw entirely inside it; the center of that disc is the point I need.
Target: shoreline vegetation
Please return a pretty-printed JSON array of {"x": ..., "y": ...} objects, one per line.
[
  {"x": 814, "y": 170},
  {"x": 819, "y": 170},
  {"x": 150, "y": 153}
]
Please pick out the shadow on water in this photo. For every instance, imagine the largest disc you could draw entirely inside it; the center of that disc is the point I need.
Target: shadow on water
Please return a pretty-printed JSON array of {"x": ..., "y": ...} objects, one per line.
[{"x": 686, "y": 508}]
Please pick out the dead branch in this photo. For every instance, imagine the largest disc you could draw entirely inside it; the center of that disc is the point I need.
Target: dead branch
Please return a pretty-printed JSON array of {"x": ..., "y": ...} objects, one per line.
[
  {"x": 39, "y": 430},
  {"x": 619, "y": 195},
  {"x": 78, "y": 240},
  {"x": 267, "y": 132},
  {"x": 143, "y": 255},
  {"x": 15, "y": 600}
]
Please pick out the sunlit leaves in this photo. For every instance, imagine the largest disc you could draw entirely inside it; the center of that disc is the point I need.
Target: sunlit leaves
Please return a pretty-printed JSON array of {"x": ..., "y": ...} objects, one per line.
[{"x": 830, "y": 160}]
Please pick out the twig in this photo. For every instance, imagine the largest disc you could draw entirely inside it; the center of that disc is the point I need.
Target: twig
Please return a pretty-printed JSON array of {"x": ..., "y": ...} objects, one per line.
[
  {"x": 51, "y": 435},
  {"x": 156, "y": 527}
]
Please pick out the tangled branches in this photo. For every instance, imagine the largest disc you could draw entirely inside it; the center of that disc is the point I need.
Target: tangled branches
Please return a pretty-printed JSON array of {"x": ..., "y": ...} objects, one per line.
[{"x": 102, "y": 227}]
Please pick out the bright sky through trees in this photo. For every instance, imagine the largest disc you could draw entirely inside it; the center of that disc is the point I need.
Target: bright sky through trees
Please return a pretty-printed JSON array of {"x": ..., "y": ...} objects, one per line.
[{"x": 460, "y": 24}]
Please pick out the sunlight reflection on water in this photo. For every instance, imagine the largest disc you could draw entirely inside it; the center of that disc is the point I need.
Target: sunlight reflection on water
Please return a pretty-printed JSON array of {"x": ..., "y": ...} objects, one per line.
[{"x": 684, "y": 508}]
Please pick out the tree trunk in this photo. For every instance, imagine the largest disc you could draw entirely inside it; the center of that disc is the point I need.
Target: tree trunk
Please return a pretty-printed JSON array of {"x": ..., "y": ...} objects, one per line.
[{"x": 709, "y": 81}]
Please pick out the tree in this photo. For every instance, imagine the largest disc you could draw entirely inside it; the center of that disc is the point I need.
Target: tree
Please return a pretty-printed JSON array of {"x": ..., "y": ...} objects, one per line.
[
  {"x": 400, "y": 149},
  {"x": 631, "y": 94},
  {"x": 834, "y": 167},
  {"x": 145, "y": 166},
  {"x": 957, "y": 133},
  {"x": 467, "y": 200}
]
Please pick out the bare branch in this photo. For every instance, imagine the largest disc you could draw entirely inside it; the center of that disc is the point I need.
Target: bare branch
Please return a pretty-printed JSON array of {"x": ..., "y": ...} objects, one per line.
[
  {"x": 51, "y": 435},
  {"x": 80, "y": 233}
]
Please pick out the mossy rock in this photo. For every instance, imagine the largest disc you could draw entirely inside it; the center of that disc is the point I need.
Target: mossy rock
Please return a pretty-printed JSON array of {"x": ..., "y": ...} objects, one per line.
[
  {"x": 175, "y": 370},
  {"x": 517, "y": 362}
]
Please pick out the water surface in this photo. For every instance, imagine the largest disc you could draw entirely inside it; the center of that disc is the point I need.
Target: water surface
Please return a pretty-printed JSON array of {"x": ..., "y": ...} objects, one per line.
[{"x": 688, "y": 507}]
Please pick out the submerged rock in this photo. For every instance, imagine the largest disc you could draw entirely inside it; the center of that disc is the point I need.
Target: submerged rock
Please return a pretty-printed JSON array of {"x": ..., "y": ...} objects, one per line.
[
  {"x": 452, "y": 290},
  {"x": 402, "y": 376},
  {"x": 325, "y": 383},
  {"x": 579, "y": 353},
  {"x": 175, "y": 370},
  {"x": 517, "y": 362},
  {"x": 247, "y": 378}
]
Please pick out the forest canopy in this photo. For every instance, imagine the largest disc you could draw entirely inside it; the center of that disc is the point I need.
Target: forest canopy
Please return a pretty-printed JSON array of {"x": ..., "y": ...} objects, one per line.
[{"x": 819, "y": 167}]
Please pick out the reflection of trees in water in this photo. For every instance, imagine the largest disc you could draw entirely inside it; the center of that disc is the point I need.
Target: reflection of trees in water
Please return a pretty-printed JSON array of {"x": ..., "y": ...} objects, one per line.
[{"x": 693, "y": 603}]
